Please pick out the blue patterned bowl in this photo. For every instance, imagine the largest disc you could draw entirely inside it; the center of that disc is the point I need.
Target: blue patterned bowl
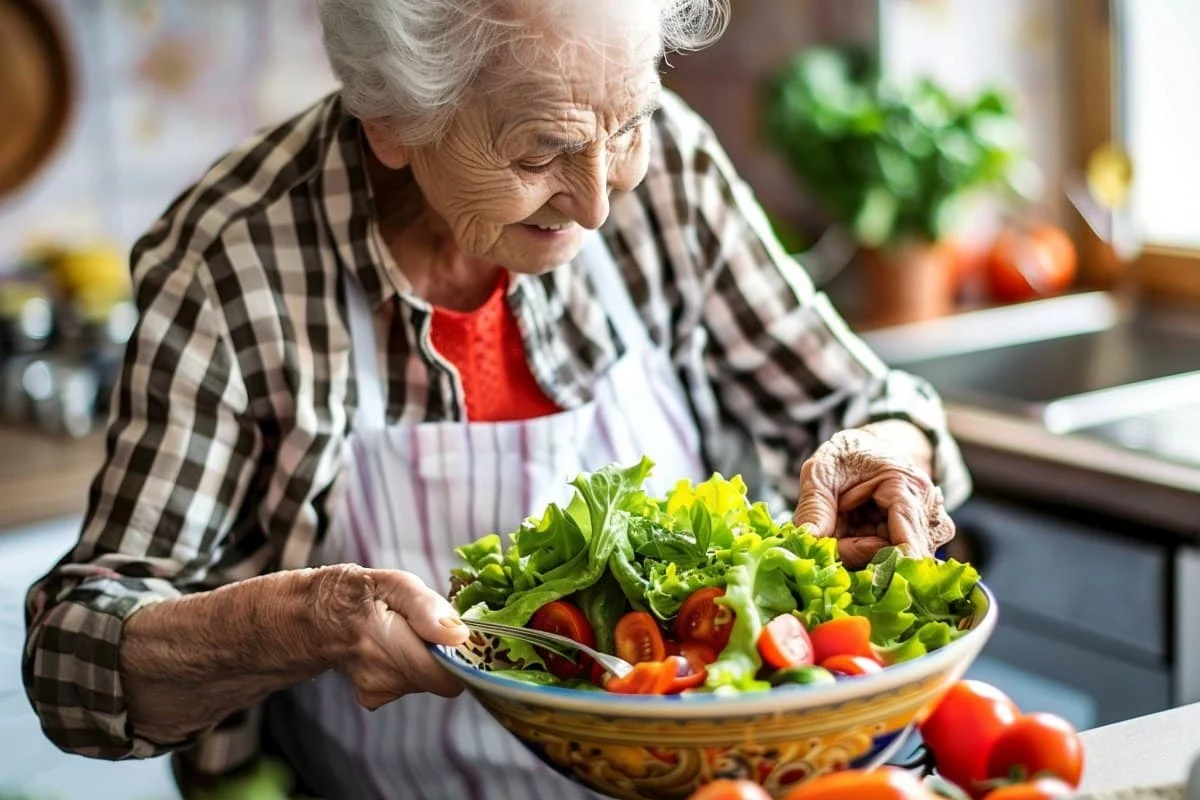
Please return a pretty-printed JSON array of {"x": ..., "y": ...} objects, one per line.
[{"x": 664, "y": 748}]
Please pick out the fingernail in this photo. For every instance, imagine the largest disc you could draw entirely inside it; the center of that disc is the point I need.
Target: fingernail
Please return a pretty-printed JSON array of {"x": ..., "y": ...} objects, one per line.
[{"x": 450, "y": 622}]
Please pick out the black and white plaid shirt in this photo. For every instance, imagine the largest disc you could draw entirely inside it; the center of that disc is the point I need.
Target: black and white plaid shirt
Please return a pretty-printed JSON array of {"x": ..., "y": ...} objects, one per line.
[{"x": 237, "y": 390}]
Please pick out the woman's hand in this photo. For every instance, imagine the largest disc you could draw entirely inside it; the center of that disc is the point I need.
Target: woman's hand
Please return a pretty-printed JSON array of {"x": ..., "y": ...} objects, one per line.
[
  {"x": 867, "y": 489},
  {"x": 385, "y": 618}
]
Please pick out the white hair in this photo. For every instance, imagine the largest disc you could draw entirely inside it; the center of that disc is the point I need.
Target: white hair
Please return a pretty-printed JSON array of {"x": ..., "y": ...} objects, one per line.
[{"x": 411, "y": 61}]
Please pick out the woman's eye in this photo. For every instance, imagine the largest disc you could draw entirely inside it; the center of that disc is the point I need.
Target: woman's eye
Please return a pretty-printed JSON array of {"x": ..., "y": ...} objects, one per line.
[{"x": 538, "y": 165}]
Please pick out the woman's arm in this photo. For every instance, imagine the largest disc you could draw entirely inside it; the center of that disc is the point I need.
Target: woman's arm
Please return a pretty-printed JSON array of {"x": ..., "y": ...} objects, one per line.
[{"x": 190, "y": 662}]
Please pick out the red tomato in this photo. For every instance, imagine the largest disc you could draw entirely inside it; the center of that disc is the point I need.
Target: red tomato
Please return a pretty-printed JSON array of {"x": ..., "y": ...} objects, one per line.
[
  {"x": 846, "y": 636},
  {"x": 698, "y": 654},
  {"x": 885, "y": 783},
  {"x": 702, "y": 619},
  {"x": 726, "y": 789},
  {"x": 1037, "y": 746},
  {"x": 1025, "y": 264},
  {"x": 784, "y": 643},
  {"x": 687, "y": 675},
  {"x": 1041, "y": 789},
  {"x": 637, "y": 638},
  {"x": 851, "y": 665},
  {"x": 648, "y": 677},
  {"x": 962, "y": 729},
  {"x": 566, "y": 620}
]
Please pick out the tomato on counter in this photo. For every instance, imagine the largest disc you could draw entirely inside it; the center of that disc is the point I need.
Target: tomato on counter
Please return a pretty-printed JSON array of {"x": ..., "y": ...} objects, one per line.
[
  {"x": 885, "y": 783},
  {"x": 1037, "y": 745},
  {"x": 1041, "y": 789},
  {"x": 1023, "y": 264},
  {"x": 726, "y": 789},
  {"x": 963, "y": 728}
]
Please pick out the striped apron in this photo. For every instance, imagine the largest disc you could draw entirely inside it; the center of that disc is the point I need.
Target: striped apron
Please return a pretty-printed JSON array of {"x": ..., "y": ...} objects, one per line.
[{"x": 410, "y": 495}]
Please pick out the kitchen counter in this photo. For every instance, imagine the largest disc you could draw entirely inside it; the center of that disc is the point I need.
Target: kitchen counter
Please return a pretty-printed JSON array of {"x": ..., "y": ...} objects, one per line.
[
  {"x": 1155, "y": 750},
  {"x": 44, "y": 477}
]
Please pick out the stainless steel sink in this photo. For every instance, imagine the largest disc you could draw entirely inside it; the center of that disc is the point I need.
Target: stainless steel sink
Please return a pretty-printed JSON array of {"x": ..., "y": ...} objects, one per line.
[{"x": 1072, "y": 363}]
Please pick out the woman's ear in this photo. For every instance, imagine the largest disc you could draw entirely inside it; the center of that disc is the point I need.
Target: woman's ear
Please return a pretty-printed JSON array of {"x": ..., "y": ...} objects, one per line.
[{"x": 382, "y": 140}]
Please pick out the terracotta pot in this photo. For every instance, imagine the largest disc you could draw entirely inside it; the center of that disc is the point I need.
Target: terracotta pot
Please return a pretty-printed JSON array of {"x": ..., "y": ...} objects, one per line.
[{"x": 912, "y": 282}]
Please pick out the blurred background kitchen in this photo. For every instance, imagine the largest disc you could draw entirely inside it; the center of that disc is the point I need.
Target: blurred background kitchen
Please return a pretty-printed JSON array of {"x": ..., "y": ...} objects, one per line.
[{"x": 999, "y": 194}]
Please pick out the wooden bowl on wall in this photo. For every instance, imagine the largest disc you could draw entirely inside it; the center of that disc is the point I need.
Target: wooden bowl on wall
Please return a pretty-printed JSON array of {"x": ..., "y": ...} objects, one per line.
[{"x": 37, "y": 83}]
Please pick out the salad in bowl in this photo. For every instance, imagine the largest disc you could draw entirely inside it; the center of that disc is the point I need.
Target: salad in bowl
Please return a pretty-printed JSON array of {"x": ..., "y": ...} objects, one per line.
[
  {"x": 758, "y": 655},
  {"x": 703, "y": 591}
]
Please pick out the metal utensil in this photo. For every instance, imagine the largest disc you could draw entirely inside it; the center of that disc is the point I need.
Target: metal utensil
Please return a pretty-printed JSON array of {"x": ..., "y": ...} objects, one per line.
[{"x": 560, "y": 645}]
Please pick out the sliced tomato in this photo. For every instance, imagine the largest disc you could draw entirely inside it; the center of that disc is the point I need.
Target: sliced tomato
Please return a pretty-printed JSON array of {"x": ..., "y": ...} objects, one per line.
[
  {"x": 638, "y": 638},
  {"x": 726, "y": 789},
  {"x": 702, "y": 619},
  {"x": 648, "y": 677},
  {"x": 846, "y": 636},
  {"x": 1037, "y": 745},
  {"x": 851, "y": 665},
  {"x": 565, "y": 619},
  {"x": 784, "y": 643},
  {"x": 698, "y": 654},
  {"x": 687, "y": 675}
]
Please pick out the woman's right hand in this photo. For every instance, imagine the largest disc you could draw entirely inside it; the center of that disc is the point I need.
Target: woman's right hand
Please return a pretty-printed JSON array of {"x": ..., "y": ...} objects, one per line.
[{"x": 383, "y": 620}]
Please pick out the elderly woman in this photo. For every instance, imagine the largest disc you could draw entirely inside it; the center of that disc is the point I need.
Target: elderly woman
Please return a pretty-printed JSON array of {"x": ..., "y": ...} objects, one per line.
[{"x": 500, "y": 255}]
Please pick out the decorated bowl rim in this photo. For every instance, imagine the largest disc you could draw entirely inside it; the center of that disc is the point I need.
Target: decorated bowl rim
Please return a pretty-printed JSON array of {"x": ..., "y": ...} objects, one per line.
[{"x": 719, "y": 705}]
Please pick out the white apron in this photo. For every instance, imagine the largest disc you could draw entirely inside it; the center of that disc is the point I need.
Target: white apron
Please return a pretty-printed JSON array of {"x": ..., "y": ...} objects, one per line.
[{"x": 411, "y": 494}]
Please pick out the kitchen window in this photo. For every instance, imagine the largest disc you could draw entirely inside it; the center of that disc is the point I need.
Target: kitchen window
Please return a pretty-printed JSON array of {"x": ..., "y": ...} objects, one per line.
[{"x": 1134, "y": 65}]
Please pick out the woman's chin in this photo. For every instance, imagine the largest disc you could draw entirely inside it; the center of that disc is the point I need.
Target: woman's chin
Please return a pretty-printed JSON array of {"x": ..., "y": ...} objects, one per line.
[{"x": 541, "y": 251}]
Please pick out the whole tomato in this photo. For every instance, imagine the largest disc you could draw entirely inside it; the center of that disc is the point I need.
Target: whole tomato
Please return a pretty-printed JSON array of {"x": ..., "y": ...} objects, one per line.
[
  {"x": 726, "y": 789},
  {"x": 1025, "y": 263},
  {"x": 885, "y": 783},
  {"x": 962, "y": 729},
  {"x": 1041, "y": 789},
  {"x": 1038, "y": 745}
]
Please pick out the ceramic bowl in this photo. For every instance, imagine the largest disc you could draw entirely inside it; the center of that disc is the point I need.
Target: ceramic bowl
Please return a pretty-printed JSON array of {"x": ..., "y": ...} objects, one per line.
[{"x": 664, "y": 748}]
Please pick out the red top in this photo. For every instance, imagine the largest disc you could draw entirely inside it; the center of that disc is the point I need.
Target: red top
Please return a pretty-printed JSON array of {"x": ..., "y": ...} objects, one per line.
[{"x": 485, "y": 346}]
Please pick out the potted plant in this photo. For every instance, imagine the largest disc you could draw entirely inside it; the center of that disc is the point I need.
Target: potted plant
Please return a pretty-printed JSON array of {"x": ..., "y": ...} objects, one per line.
[{"x": 897, "y": 165}]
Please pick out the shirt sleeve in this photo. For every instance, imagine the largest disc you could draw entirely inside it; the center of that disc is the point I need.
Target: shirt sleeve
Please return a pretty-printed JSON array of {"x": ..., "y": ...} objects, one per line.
[
  {"x": 784, "y": 364},
  {"x": 180, "y": 452}
]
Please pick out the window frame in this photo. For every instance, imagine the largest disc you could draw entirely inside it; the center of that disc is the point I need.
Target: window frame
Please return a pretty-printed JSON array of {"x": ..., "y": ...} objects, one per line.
[{"x": 1094, "y": 71}]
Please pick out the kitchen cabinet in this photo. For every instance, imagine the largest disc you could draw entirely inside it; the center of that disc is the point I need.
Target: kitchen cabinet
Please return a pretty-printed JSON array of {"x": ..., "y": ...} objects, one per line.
[{"x": 44, "y": 477}]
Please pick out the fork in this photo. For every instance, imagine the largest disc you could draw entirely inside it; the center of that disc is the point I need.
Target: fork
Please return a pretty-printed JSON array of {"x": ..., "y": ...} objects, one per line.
[{"x": 553, "y": 642}]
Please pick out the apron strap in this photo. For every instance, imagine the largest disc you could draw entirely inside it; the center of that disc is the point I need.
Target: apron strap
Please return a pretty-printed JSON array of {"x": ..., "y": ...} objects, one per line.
[
  {"x": 371, "y": 414},
  {"x": 614, "y": 292}
]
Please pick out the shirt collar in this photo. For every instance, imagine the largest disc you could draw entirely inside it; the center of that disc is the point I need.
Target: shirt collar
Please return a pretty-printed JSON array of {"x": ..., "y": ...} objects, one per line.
[{"x": 346, "y": 199}]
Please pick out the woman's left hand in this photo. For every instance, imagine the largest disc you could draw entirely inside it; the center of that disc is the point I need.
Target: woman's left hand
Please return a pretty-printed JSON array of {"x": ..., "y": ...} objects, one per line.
[{"x": 867, "y": 491}]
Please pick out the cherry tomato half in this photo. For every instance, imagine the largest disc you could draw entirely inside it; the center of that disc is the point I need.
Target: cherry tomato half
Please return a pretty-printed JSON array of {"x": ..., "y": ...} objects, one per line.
[
  {"x": 637, "y": 638},
  {"x": 784, "y": 643},
  {"x": 962, "y": 729},
  {"x": 702, "y": 619},
  {"x": 851, "y": 665},
  {"x": 726, "y": 789},
  {"x": 885, "y": 783},
  {"x": 563, "y": 618},
  {"x": 648, "y": 677},
  {"x": 698, "y": 654},
  {"x": 687, "y": 675},
  {"x": 1037, "y": 746},
  {"x": 845, "y": 636}
]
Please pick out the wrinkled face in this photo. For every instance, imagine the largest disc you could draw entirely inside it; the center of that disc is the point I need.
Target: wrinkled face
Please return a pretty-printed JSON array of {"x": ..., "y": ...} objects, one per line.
[{"x": 531, "y": 158}]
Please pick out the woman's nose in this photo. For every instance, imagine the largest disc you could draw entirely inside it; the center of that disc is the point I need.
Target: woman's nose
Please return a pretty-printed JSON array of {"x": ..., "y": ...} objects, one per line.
[{"x": 586, "y": 199}]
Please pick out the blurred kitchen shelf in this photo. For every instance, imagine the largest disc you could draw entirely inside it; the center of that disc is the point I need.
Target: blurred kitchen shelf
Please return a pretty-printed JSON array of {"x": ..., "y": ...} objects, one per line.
[{"x": 43, "y": 476}]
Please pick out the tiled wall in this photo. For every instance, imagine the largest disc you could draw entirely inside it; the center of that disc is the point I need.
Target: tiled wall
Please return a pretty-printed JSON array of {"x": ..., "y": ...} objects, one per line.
[{"x": 166, "y": 86}]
